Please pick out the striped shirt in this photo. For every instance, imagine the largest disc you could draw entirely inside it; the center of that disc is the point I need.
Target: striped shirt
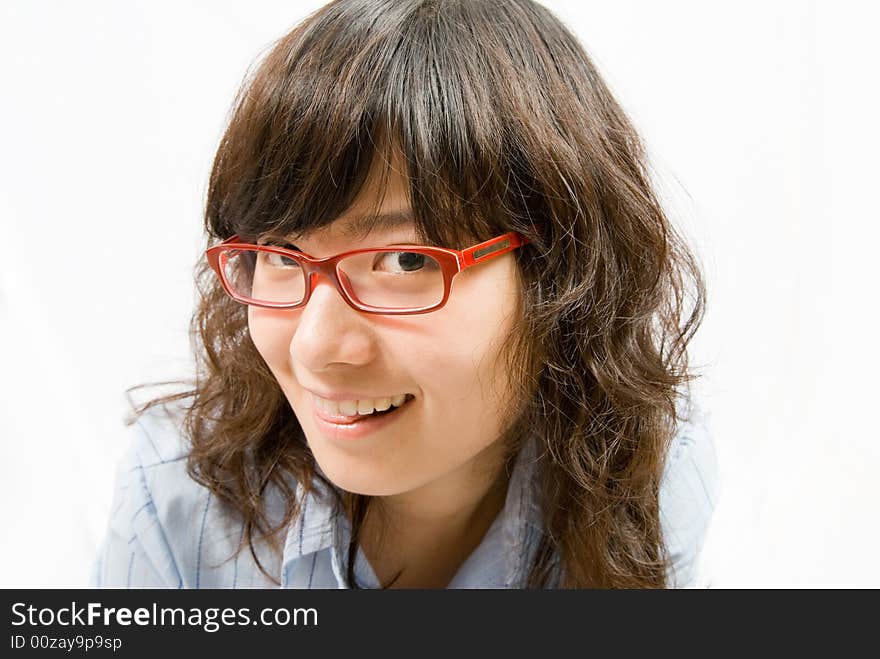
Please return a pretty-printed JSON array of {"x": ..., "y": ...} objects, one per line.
[{"x": 167, "y": 531}]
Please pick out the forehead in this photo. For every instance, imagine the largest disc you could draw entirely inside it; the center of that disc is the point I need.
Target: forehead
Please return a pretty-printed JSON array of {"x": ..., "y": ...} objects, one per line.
[{"x": 380, "y": 207}]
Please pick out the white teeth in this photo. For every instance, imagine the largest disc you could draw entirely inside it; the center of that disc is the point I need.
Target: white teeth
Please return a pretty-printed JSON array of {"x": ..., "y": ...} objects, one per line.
[
  {"x": 356, "y": 407},
  {"x": 348, "y": 407}
]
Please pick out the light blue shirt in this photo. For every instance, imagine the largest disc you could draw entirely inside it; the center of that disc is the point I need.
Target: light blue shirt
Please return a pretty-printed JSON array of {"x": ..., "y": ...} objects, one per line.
[{"x": 167, "y": 531}]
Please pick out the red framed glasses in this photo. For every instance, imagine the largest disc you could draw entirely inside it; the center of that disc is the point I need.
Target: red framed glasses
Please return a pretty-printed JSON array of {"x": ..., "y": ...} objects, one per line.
[{"x": 400, "y": 279}]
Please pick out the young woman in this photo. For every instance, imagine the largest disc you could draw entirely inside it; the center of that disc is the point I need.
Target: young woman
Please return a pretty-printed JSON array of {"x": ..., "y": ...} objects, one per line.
[{"x": 443, "y": 328}]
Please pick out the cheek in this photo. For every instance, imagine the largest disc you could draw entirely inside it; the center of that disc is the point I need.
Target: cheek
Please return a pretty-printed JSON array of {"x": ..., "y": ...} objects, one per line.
[
  {"x": 458, "y": 382},
  {"x": 461, "y": 367},
  {"x": 272, "y": 331}
]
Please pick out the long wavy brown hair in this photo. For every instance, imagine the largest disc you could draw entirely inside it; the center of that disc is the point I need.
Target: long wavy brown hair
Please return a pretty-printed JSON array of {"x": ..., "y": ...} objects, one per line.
[{"x": 505, "y": 125}]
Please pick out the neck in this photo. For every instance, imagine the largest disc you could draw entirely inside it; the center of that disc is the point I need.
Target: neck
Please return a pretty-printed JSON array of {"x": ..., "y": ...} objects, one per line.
[{"x": 426, "y": 534}]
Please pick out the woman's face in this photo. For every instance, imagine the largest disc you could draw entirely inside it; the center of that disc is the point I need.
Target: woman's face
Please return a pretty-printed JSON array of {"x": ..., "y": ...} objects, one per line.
[{"x": 445, "y": 437}]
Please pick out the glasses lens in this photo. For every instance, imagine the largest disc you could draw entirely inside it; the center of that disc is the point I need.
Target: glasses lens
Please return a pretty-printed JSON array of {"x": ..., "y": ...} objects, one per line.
[
  {"x": 394, "y": 280},
  {"x": 264, "y": 276}
]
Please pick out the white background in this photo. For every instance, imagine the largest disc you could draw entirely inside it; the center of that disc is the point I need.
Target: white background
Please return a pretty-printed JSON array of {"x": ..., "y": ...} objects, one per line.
[{"x": 761, "y": 118}]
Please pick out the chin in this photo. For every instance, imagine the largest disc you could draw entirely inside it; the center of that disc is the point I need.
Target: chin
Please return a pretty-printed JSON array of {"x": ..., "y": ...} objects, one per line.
[
  {"x": 365, "y": 484},
  {"x": 363, "y": 477}
]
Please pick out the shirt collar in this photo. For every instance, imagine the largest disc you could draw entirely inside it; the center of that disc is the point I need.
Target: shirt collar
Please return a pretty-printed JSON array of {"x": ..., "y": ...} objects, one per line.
[{"x": 321, "y": 525}]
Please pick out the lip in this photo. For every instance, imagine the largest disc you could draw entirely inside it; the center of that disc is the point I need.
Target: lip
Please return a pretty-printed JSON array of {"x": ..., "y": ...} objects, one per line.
[{"x": 331, "y": 426}]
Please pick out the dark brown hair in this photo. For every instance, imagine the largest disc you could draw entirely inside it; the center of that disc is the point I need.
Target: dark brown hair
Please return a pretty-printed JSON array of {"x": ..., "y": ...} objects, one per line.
[{"x": 504, "y": 124}]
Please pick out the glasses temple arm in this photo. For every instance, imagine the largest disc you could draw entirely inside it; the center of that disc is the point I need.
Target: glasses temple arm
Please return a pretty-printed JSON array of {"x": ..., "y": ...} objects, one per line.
[{"x": 492, "y": 248}]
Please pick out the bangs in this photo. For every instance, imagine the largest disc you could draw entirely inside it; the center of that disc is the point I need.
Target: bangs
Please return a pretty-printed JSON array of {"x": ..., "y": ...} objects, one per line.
[{"x": 372, "y": 89}]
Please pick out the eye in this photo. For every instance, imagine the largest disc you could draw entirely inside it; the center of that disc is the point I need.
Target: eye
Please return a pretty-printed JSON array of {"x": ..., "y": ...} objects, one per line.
[
  {"x": 278, "y": 260},
  {"x": 400, "y": 263}
]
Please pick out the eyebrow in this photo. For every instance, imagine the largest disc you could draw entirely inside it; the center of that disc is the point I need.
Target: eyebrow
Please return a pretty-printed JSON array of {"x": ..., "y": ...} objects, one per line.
[
  {"x": 358, "y": 228},
  {"x": 363, "y": 225}
]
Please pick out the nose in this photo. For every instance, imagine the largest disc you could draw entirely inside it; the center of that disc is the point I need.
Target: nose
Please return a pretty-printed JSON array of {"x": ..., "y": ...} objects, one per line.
[{"x": 330, "y": 333}]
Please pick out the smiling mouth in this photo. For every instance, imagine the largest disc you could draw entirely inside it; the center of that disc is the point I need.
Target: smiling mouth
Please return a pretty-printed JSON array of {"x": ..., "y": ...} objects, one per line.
[{"x": 349, "y": 420}]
